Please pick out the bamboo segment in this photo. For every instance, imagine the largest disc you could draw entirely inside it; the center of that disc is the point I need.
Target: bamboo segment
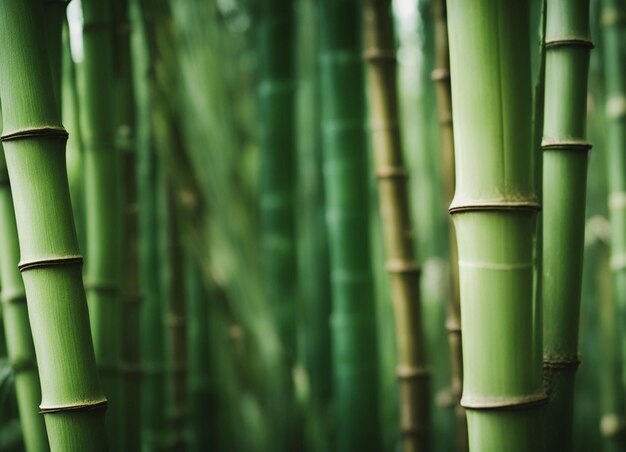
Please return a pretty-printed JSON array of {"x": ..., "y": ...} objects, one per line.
[
  {"x": 494, "y": 212},
  {"x": 614, "y": 33},
  {"x": 412, "y": 373},
  {"x": 19, "y": 340},
  {"x": 441, "y": 77},
  {"x": 564, "y": 184},
  {"x": 353, "y": 329},
  {"x": 102, "y": 202},
  {"x": 34, "y": 143}
]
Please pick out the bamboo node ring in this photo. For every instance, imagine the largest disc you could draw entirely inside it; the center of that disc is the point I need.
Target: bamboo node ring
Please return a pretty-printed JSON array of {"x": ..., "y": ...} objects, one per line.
[
  {"x": 440, "y": 74},
  {"x": 404, "y": 372},
  {"x": 618, "y": 261},
  {"x": 23, "y": 365},
  {"x": 375, "y": 55},
  {"x": 403, "y": 266},
  {"x": 94, "y": 406},
  {"x": 108, "y": 287},
  {"x": 616, "y": 107},
  {"x": 573, "y": 41},
  {"x": 563, "y": 364},
  {"x": 549, "y": 144},
  {"x": 391, "y": 172},
  {"x": 50, "y": 261},
  {"x": 496, "y": 205},
  {"x": 504, "y": 403},
  {"x": 617, "y": 200},
  {"x": 14, "y": 297},
  {"x": 36, "y": 132}
]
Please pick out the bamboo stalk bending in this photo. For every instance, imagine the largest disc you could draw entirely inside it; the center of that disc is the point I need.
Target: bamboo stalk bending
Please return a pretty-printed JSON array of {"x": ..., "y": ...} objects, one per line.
[
  {"x": 353, "y": 326},
  {"x": 34, "y": 143},
  {"x": 565, "y": 150},
  {"x": 412, "y": 371},
  {"x": 494, "y": 211},
  {"x": 441, "y": 78}
]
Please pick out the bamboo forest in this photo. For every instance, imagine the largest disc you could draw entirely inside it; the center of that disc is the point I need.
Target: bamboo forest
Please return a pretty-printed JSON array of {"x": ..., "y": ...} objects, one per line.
[{"x": 313, "y": 225}]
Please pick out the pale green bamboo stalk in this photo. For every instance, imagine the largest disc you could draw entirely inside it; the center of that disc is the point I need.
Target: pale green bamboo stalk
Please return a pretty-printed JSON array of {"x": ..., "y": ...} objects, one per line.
[
  {"x": 567, "y": 45},
  {"x": 494, "y": 211},
  {"x": 34, "y": 144}
]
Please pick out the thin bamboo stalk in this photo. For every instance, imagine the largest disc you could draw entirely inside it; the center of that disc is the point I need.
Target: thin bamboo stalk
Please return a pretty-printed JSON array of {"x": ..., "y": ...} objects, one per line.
[
  {"x": 131, "y": 302},
  {"x": 353, "y": 327},
  {"x": 34, "y": 144},
  {"x": 412, "y": 371},
  {"x": 564, "y": 184},
  {"x": 494, "y": 212},
  {"x": 102, "y": 203},
  {"x": 19, "y": 340},
  {"x": 441, "y": 78}
]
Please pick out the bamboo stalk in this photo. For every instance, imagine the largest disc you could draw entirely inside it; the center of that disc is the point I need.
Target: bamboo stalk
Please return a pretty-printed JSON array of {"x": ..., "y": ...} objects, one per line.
[
  {"x": 412, "y": 371},
  {"x": 494, "y": 212},
  {"x": 564, "y": 184},
  {"x": 34, "y": 144},
  {"x": 353, "y": 328},
  {"x": 441, "y": 78},
  {"x": 102, "y": 203},
  {"x": 19, "y": 340}
]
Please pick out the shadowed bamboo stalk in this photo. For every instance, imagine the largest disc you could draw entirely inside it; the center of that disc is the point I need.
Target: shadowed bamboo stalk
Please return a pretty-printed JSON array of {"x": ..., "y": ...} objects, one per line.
[
  {"x": 567, "y": 46},
  {"x": 494, "y": 211},
  {"x": 441, "y": 78},
  {"x": 34, "y": 143},
  {"x": 102, "y": 202},
  {"x": 353, "y": 327},
  {"x": 412, "y": 373}
]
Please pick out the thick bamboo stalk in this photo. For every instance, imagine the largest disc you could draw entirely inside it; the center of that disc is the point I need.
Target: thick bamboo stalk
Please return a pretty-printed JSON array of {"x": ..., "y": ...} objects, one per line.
[
  {"x": 412, "y": 371},
  {"x": 567, "y": 44},
  {"x": 614, "y": 33},
  {"x": 131, "y": 301},
  {"x": 34, "y": 143},
  {"x": 102, "y": 202},
  {"x": 353, "y": 328},
  {"x": 441, "y": 78},
  {"x": 19, "y": 340},
  {"x": 494, "y": 211}
]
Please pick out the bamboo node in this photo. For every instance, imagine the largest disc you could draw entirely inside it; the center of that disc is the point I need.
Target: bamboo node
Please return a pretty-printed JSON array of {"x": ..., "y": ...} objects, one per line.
[
  {"x": 23, "y": 365},
  {"x": 403, "y": 266},
  {"x": 530, "y": 205},
  {"x": 13, "y": 297},
  {"x": 440, "y": 74},
  {"x": 54, "y": 132},
  {"x": 174, "y": 320},
  {"x": 571, "y": 41},
  {"x": 453, "y": 326},
  {"x": 268, "y": 87},
  {"x": 134, "y": 299},
  {"x": 131, "y": 369},
  {"x": 616, "y": 107},
  {"x": 379, "y": 55},
  {"x": 561, "y": 363},
  {"x": 108, "y": 287},
  {"x": 618, "y": 261},
  {"x": 383, "y": 126},
  {"x": 612, "y": 425},
  {"x": 404, "y": 372},
  {"x": 50, "y": 262},
  {"x": 414, "y": 430},
  {"x": 445, "y": 119},
  {"x": 92, "y": 406},
  {"x": 617, "y": 200},
  {"x": 391, "y": 172},
  {"x": 504, "y": 403},
  {"x": 551, "y": 144}
]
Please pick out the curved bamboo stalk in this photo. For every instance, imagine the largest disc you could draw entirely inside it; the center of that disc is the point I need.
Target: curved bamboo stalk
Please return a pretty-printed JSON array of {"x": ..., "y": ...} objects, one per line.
[
  {"x": 34, "y": 143},
  {"x": 102, "y": 203},
  {"x": 494, "y": 212},
  {"x": 353, "y": 327},
  {"x": 412, "y": 372},
  {"x": 567, "y": 45},
  {"x": 19, "y": 340},
  {"x": 441, "y": 77}
]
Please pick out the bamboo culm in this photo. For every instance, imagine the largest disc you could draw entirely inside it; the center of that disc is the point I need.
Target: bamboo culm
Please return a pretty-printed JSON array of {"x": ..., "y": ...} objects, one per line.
[
  {"x": 494, "y": 211},
  {"x": 353, "y": 327},
  {"x": 34, "y": 143},
  {"x": 412, "y": 373},
  {"x": 567, "y": 47}
]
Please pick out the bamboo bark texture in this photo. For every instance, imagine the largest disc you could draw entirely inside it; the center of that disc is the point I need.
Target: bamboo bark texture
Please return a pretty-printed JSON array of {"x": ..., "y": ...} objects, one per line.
[
  {"x": 34, "y": 142},
  {"x": 441, "y": 78},
  {"x": 567, "y": 47},
  {"x": 102, "y": 202},
  {"x": 353, "y": 327},
  {"x": 412, "y": 372},
  {"x": 494, "y": 211}
]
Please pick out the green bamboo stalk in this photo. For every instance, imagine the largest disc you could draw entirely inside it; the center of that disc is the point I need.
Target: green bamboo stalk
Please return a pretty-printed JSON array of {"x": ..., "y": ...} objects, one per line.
[
  {"x": 614, "y": 33},
  {"x": 441, "y": 78},
  {"x": 353, "y": 328},
  {"x": 34, "y": 145},
  {"x": 564, "y": 183},
  {"x": 102, "y": 202},
  {"x": 19, "y": 340},
  {"x": 412, "y": 372},
  {"x": 494, "y": 212},
  {"x": 131, "y": 302}
]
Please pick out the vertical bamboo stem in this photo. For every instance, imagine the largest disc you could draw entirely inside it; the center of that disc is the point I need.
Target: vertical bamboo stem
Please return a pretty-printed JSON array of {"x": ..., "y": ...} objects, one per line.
[
  {"x": 441, "y": 78},
  {"x": 494, "y": 212},
  {"x": 34, "y": 145},
  {"x": 402, "y": 265},
  {"x": 567, "y": 45}
]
